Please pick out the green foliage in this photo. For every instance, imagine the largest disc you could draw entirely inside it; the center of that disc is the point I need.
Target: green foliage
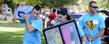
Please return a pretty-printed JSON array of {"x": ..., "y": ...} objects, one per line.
[
  {"x": 44, "y": 3},
  {"x": 16, "y": 1},
  {"x": 32, "y": 2},
  {"x": 58, "y": 3},
  {"x": 103, "y": 4}
]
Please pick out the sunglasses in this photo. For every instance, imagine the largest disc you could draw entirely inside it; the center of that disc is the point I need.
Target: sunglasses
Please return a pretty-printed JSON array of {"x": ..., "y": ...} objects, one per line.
[{"x": 94, "y": 6}]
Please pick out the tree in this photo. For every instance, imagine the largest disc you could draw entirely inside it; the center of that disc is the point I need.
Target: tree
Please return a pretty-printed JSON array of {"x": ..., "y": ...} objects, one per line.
[
  {"x": 33, "y": 2},
  {"x": 43, "y": 3},
  {"x": 58, "y": 3},
  {"x": 103, "y": 4}
]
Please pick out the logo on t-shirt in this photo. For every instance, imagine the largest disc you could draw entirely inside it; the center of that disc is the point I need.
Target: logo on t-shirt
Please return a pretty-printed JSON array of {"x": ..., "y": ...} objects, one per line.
[{"x": 91, "y": 24}]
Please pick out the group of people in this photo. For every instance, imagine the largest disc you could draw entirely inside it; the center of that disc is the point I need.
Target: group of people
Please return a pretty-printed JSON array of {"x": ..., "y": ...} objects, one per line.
[{"x": 91, "y": 25}]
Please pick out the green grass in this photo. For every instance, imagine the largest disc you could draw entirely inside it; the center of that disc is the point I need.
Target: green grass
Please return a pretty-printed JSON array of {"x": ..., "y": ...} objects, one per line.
[
  {"x": 10, "y": 24},
  {"x": 11, "y": 37},
  {"x": 12, "y": 33}
]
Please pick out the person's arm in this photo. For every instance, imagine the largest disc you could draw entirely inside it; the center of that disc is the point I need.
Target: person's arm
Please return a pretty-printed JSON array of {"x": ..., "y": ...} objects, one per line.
[
  {"x": 84, "y": 39},
  {"x": 83, "y": 36},
  {"x": 28, "y": 26},
  {"x": 100, "y": 34},
  {"x": 81, "y": 32},
  {"x": 101, "y": 27}
]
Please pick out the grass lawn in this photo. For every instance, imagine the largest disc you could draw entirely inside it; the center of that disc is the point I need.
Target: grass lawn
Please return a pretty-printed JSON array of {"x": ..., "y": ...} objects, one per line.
[{"x": 12, "y": 33}]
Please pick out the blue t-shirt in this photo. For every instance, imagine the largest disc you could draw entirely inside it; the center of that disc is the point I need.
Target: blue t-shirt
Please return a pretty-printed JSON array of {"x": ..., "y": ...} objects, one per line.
[
  {"x": 81, "y": 32},
  {"x": 92, "y": 25},
  {"x": 33, "y": 37}
]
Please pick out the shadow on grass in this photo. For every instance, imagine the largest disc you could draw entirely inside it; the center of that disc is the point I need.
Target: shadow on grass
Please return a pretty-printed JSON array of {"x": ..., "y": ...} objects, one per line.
[
  {"x": 11, "y": 37},
  {"x": 15, "y": 38}
]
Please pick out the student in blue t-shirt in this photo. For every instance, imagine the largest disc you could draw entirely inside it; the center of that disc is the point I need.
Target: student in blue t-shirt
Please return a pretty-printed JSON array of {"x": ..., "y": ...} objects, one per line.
[
  {"x": 33, "y": 27},
  {"x": 92, "y": 24}
]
